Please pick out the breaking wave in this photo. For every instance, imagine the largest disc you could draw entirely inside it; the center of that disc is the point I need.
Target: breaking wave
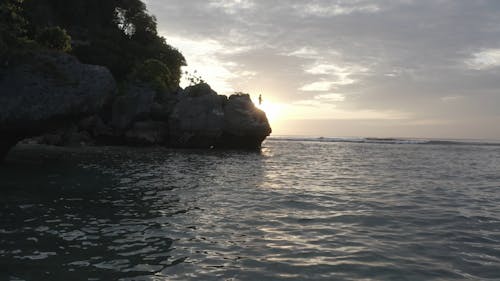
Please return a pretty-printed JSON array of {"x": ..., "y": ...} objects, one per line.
[{"x": 389, "y": 141}]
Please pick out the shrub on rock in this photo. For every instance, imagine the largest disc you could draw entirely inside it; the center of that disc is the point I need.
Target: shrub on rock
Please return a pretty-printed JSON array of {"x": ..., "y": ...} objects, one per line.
[
  {"x": 54, "y": 38},
  {"x": 155, "y": 72}
]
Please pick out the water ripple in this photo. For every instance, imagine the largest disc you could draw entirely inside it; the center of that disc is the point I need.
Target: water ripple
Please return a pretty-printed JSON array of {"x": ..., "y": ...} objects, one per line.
[{"x": 295, "y": 211}]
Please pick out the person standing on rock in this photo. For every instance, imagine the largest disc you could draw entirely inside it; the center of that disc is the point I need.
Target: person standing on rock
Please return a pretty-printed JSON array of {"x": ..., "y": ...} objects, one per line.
[{"x": 260, "y": 99}]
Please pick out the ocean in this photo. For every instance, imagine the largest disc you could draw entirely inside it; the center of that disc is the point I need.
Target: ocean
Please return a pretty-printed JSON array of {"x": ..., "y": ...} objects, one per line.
[{"x": 299, "y": 209}]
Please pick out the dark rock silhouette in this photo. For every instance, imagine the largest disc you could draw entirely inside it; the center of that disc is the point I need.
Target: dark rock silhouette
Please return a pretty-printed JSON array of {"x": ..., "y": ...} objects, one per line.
[
  {"x": 202, "y": 118},
  {"x": 70, "y": 103},
  {"x": 51, "y": 97},
  {"x": 47, "y": 90},
  {"x": 244, "y": 124},
  {"x": 134, "y": 104},
  {"x": 197, "y": 120},
  {"x": 147, "y": 133}
]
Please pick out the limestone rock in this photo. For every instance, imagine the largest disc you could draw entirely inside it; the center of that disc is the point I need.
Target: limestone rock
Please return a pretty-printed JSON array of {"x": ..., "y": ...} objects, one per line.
[
  {"x": 198, "y": 118},
  {"x": 135, "y": 104},
  {"x": 74, "y": 104},
  {"x": 147, "y": 133},
  {"x": 203, "y": 119},
  {"x": 245, "y": 126},
  {"x": 43, "y": 91}
]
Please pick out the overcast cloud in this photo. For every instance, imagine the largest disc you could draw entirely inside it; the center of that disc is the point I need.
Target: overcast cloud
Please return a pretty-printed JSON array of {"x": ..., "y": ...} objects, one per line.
[{"x": 385, "y": 68}]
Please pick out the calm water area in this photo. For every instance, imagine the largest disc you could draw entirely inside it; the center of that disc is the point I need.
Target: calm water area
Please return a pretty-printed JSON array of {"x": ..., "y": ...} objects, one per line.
[{"x": 296, "y": 210}]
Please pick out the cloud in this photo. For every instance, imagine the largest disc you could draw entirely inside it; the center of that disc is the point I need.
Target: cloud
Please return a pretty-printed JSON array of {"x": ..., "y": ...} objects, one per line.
[
  {"x": 330, "y": 97},
  {"x": 335, "y": 74},
  {"x": 232, "y": 6},
  {"x": 325, "y": 69},
  {"x": 304, "y": 52},
  {"x": 202, "y": 62},
  {"x": 485, "y": 59},
  {"x": 331, "y": 76},
  {"x": 451, "y": 98},
  {"x": 320, "y": 86},
  {"x": 314, "y": 110},
  {"x": 432, "y": 60},
  {"x": 328, "y": 9}
]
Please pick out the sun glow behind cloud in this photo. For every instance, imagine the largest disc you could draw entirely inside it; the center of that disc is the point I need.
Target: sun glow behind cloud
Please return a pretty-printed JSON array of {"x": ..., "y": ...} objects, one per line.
[
  {"x": 283, "y": 115},
  {"x": 202, "y": 58},
  {"x": 274, "y": 111},
  {"x": 395, "y": 62},
  {"x": 202, "y": 61}
]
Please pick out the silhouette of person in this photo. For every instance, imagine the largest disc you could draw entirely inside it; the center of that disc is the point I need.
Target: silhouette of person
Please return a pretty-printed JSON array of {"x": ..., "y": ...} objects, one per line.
[{"x": 260, "y": 99}]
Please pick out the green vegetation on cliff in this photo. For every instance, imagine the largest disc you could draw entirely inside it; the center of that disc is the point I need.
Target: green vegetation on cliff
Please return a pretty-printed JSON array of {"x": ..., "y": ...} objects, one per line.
[
  {"x": 54, "y": 38},
  {"x": 12, "y": 27},
  {"x": 120, "y": 35}
]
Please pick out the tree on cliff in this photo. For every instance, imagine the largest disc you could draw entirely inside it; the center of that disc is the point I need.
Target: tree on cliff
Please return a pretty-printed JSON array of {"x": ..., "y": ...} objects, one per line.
[
  {"x": 12, "y": 25},
  {"x": 120, "y": 35},
  {"x": 54, "y": 38}
]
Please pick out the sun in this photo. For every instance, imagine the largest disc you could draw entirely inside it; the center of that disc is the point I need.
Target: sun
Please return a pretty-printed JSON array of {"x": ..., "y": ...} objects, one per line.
[{"x": 274, "y": 111}]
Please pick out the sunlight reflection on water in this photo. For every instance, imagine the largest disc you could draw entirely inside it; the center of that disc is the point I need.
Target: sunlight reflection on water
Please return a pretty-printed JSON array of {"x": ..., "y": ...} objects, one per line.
[{"x": 294, "y": 211}]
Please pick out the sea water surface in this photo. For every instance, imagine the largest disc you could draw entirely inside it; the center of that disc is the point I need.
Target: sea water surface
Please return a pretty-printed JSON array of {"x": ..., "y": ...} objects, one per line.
[{"x": 297, "y": 210}]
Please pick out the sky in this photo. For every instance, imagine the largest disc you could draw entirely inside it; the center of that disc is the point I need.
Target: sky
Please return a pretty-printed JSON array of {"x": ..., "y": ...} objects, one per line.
[{"x": 386, "y": 68}]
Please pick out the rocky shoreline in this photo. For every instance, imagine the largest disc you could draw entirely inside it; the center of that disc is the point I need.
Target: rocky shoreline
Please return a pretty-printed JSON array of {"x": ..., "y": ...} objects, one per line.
[{"x": 52, "y": 98}]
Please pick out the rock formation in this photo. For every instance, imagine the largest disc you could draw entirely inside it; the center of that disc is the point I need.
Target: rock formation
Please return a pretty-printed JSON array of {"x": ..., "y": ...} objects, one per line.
[
  {"x": 204, "y": 119},
  {"x": 70, "y": 103},
  {"x": 197, "y": 120},
  {"x": 43, "y": 91},
  {"x": 244, "y": 124}
]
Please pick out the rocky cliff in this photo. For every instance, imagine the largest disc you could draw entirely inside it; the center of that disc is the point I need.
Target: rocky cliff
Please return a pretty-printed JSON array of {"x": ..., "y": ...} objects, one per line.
[
  {"x": 195, "y": 117},
  {"x": 204, "y": 119},
  {"x": 43, "y": 91},
  {"x": 70, "y": 103}
]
